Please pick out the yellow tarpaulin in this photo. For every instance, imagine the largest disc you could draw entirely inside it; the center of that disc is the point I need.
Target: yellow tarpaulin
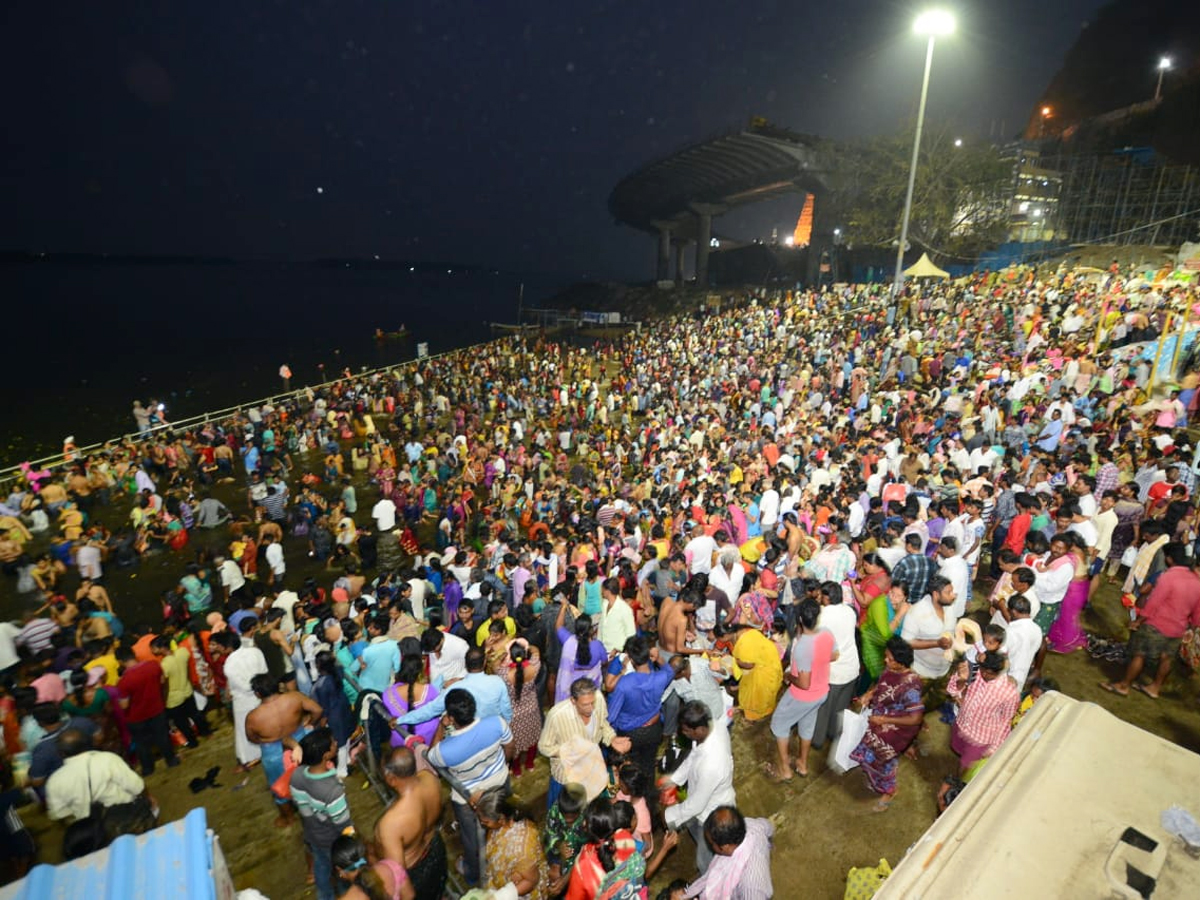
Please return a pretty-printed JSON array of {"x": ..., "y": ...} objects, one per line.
[{"x": 923, "y": 268}]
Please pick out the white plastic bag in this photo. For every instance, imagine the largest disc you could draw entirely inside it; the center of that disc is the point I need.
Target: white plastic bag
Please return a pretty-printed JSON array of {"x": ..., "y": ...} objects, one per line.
[
  {"x": 583, "y": 763},
  {"x": 854, "y": 726}
]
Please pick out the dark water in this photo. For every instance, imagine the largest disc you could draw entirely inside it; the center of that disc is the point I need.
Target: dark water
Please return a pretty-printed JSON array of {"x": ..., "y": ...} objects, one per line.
[{"x": 93, "y": 336}]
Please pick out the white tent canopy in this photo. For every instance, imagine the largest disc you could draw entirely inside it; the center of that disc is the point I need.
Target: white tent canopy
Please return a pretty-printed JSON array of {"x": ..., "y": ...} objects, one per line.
[{"x": 923, "y": 268}]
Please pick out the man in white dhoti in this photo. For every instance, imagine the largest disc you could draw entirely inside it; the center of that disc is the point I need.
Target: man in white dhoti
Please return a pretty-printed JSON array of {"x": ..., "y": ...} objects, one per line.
[{"x": 240, "y": 667}]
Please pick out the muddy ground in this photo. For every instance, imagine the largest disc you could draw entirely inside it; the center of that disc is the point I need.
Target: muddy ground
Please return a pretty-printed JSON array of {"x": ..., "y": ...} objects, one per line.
[{"x": 824, "y": 823}]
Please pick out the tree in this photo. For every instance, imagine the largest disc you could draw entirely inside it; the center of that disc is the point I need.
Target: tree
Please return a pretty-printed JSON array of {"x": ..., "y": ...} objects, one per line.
[{"x": 960, "y": 200}]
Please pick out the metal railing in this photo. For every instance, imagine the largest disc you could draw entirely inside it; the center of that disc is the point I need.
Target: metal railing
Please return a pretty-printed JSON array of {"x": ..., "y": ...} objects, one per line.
[{"x": 10, "y": 473}]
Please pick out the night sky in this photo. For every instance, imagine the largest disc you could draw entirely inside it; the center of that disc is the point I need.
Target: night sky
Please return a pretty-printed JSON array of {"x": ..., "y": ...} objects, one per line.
[{"x": 489, "y": 131}]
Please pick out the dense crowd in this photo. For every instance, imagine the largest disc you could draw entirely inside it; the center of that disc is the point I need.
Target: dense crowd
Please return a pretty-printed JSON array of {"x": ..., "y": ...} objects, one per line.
[{"x": 818, "y": 511}]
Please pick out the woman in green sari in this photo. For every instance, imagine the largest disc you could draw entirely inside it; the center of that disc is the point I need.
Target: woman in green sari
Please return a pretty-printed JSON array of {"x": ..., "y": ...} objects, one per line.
[
  {"x": 884, "y": 615},
  {"x": 89, "y": 699}
]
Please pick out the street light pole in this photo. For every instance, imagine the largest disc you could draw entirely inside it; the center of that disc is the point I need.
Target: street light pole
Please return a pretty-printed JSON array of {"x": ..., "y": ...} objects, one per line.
[
  {"x": 931, "y": 24},
  {"x": 1163, "y": 65}
]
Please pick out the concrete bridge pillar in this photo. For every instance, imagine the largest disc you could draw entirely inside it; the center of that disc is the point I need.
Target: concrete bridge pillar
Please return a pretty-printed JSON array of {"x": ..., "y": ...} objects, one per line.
[
  {"x": 663, "y": 268},
  {"x": 680, "y": 249},
  {"x": 822, "y": 236},
  {"x": 703, "y": 244}
]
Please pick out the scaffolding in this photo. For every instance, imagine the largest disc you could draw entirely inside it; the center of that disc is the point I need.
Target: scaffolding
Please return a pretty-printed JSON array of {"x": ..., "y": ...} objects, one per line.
[{"x": 1123, "y": 197}]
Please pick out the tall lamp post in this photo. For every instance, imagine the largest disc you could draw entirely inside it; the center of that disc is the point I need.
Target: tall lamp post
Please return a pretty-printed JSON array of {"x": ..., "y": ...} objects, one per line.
[
  {"x": 933, "y": 23},
  {"x": 1163, "y": 65}
]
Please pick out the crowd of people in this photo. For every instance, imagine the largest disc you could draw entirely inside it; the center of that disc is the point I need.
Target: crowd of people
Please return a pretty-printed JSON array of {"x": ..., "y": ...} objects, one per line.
[{"x": 612, "y": 557}]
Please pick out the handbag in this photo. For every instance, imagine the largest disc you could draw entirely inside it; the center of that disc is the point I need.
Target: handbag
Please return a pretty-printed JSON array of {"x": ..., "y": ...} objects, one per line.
[
  {"x": 1189, "y": 648},
  {"x": 854, "y": 726},
  {"x": 583, "y": 763},
  {"x": 282, "y": 787},
  {"x": 1129, "y": 556},
  {"x": 862, "y": 883}
]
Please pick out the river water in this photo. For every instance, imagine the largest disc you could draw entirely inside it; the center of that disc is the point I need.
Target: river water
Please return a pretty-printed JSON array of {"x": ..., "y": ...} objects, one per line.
[{"x": 93, "y": 335}]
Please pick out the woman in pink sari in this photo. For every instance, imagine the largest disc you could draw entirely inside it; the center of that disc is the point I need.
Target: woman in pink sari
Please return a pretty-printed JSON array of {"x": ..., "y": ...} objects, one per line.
[
  {"x": 1066, "y": 635},
  {"x": 737, "y": 518}
]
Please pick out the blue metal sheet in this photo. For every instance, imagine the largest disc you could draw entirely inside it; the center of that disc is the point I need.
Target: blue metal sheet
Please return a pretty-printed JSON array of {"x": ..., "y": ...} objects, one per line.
[{"x": 174, "y": 861}]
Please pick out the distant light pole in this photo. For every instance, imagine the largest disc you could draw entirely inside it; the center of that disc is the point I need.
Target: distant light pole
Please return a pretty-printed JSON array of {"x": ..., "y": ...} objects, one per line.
[
  {"x": 933, "y": 23},
  {"x": 1047, "y": 112},
  {"x": 1163, "y": 65}
]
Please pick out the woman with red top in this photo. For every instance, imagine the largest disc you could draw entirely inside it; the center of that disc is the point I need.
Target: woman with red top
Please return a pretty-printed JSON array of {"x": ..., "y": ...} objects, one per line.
[
  {"x": 609, "y": 863},
  {"x": 1015, "y": 540},
  {"x": 875, "y": 581}
]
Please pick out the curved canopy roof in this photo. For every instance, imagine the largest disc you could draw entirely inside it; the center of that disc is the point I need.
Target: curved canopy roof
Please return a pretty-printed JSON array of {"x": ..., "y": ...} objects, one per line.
[{"x": 717, "y": 175}]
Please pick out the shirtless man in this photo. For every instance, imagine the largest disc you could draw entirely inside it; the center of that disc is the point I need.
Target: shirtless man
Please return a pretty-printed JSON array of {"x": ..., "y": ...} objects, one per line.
[
  {"x": 64, "y": 612},
  {"x": 53, "y": 495},
  {"x": 88, "y": 589},
  {"x": 357, "y": 583},
  {"x": 673, "y": 625},
  {"x": 408, "y": 831},
  {"x": 78, "y": 483},
  {"x": 270, "y": 528},
  {"x": 10, "y": 553},
  {"x": 223, "y": 456},
  {"x": 279, "y": 722}
]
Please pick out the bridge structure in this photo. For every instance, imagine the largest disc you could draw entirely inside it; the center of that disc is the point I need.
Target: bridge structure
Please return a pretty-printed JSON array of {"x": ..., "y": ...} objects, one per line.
[{"x": 676, "y": 199}]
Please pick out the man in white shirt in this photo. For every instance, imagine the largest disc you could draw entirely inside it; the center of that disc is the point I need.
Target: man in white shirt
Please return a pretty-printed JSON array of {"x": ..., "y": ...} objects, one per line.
[
  {"x": 457, "y": 566},
  {"x": 974, "y": 529},
  {"x": 447, "y": 656},
  {"x": 384, "y": 514},
  {"x": 727, "y": 575},
  {"x": 839, "y": 620},
  {"x": 1022, "y": 639},
  {"x": 708, "y": 773},
  {"x": 1071, "y": 515},
  {"x": 1023, "y": 580},
  {"x": 616, "y": 622},
  {"x": 1105, "y": 522},
  {"x": 9, "y": 658},
  {"x": 768, "y": 507},
  {"x": 88, "y": 776},
  {"x": 1052, "y": 582},
  {"x": 699, "y": 551},
  {"x": 929, "y": 627},
  {"x": 1082, "y": 489},
  {"x": 87, "y": 559},
  {"x": 274, "y": 557},
  {"x": 955, "y": 568},
  {"x": 855, "y": 520},
  {"x": 286, "y": 600},
  {"x": 232, "y": 579},
  {"x": 421, "y": 588},
  {"x": 893, "y": 552}
]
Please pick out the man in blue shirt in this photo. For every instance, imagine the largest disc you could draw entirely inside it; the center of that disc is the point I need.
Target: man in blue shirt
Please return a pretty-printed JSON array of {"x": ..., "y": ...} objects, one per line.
[
  {"x": 489, "y": 692},
  {"x": 635, "y": 704},
  {"x": 474, "y": 751},
  {"x": 46, "y": 757},
  {"x": 251, "y": 460},
  {"x": 380, "y": 660}
]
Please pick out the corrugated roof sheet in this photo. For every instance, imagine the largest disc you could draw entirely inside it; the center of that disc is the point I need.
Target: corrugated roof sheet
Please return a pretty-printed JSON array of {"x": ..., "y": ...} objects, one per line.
[{"x": 174, "y": 861}]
